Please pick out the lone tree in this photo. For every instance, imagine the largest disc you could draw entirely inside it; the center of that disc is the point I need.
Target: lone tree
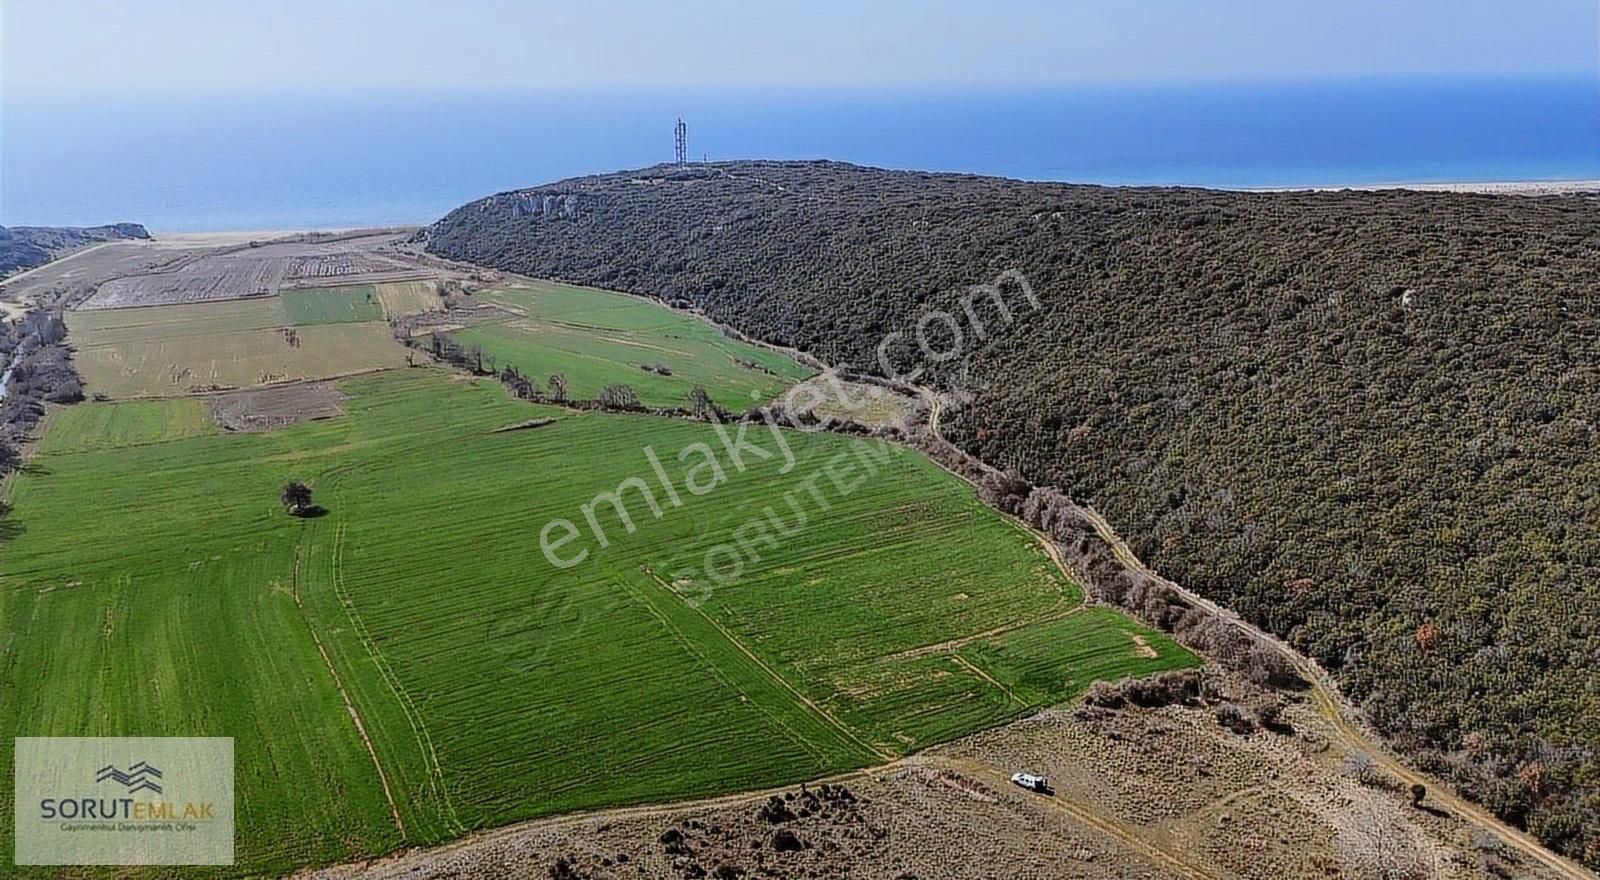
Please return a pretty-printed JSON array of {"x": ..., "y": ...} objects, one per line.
[{"x": 296, "y": 498}]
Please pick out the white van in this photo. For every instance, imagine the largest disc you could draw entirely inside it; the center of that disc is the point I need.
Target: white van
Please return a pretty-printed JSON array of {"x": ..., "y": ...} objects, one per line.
[{"x": 1031, "y": 782}]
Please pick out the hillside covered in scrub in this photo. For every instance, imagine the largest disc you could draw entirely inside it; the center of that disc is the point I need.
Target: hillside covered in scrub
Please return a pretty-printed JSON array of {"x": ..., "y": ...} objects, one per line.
[
  {"x": 23, "y": 247},
  {"x": 1365, "y": 420}
]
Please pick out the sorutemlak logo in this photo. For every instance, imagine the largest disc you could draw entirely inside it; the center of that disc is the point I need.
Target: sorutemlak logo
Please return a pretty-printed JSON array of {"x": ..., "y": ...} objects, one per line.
[
  {"x": 124, "y": 800},
  {"x": 139, "y": 777}
]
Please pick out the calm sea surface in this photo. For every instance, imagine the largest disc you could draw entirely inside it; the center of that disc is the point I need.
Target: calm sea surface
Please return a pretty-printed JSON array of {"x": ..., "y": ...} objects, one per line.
[{"x": 301, "y": 161}]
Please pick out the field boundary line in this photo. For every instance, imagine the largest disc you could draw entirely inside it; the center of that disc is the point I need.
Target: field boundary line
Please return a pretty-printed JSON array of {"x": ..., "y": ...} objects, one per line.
[
  {"x": 807, "y": 701},
  {"x": 970, "y": 667},
  {"x": 355, "y": 715},
  {"x": 959, "y": 642},
  {"x": 980, "y": 772},
  {"x": 695, "y": 647},
  {"x": 419, "y": 729},
  {"x": 255, "y": 386}
]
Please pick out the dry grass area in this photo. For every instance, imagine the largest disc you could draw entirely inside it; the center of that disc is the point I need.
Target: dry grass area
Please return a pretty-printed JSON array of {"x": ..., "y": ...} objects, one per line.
[
  {"x": 326, "y": 265},
  {"x": 161, "y": 367},
  {"x": 89, "y": 266},
  {"x": 191, "y": 275},
  {"x": 256, "y": 272},
  {"x": 408, "y": 297},
  {"x": 831, "y": 398},
  {"x": 1139, "y": 793},
  {"x": 263, "y": 409}
]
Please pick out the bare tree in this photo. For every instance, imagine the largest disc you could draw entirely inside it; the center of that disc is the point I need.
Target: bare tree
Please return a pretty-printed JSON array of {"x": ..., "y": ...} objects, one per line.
[
  {"x": 1362, "y": 768},
  {"x": 619, "y": 396},
  {"x": 558, "y": 387},
  {"x": 699, "y": 402},
  {"x": 1376, "y": 845}
]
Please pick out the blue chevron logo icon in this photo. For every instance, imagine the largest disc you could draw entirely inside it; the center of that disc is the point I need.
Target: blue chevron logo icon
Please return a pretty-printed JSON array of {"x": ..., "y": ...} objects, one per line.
[{"x": 140, "y": 777}]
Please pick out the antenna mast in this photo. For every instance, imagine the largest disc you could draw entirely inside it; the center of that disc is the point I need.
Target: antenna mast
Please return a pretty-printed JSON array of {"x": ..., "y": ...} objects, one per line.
[{"x": 680, "y": 138}]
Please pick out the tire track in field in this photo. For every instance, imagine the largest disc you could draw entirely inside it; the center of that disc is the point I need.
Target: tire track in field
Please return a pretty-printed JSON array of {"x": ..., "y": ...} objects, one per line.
[
  {"x": 962, "y": 641},
  {"x": 695, "y": 648},
  {"x": 419, "y": 728},
  {"x": 782, "y": 682},
  {"x": 350, "y": 706},
  {"x": 966, "y": 664}
]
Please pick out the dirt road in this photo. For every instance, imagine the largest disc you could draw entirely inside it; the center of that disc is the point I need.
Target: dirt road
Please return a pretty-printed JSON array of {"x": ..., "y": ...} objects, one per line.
[
  {"x": 1332, "y": 706},
  {"x": 1324, "y": 694}
]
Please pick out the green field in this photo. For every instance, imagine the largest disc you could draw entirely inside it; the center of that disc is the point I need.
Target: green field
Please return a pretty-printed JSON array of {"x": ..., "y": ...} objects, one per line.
[
  {"x": 178, "y": 349},
  {"x": 597, "y": 338},
  {"x": 134, "y": 423},
  {"x": 151, "y": 584},
  {"x": 332, "y": 305}
]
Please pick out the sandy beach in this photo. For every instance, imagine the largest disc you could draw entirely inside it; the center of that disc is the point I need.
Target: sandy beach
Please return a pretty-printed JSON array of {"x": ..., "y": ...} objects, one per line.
[{"x": 1498, "y": 188}]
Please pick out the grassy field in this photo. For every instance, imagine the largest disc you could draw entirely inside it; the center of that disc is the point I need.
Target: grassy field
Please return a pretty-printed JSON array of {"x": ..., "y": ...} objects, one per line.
[
  {"x": 493, "y": 685},
  {"x": 134, "y": 423},
  {"x": 332, "y": 305},
  {"x": 177, "y": 349},
  {"x": 598, "y": 338},
  {"x": 108, "y": 326},
  {"x": 398, "y": 298}
]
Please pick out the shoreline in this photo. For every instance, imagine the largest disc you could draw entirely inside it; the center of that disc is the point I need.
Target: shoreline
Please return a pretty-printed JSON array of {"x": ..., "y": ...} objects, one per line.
[
  {"x": 1482, "y": 187},
  {"x": 1546, "y": 187}
]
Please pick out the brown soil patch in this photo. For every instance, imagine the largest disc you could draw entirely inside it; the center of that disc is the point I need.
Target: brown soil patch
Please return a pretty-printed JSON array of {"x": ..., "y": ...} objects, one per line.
[{"x": 264, "y": 409}]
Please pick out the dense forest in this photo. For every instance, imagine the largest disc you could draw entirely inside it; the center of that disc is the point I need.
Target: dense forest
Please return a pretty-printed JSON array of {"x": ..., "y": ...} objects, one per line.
[{"x": 1365, "y": 420}]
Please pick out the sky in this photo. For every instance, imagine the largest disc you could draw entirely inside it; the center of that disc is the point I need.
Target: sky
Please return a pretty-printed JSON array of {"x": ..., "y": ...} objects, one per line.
[{"x": 50, "y": 46}]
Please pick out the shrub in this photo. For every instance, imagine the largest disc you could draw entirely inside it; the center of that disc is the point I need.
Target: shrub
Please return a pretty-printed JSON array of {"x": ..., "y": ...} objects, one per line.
[
  {"x": 1233, "y": 718},
  {"x": 785, "y": 840}
]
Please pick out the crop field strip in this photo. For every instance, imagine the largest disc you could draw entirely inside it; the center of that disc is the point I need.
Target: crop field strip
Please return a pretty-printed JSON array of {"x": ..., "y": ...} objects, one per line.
[
  {"x": 360, "y": 302},
  {"x": 332, "y": 305},
  {"x": 398, "y": 298},
  {"x": 261, "y": 270},
  {"x": 492, "y": 686},
  {"x": 597, "y": 338},
  {"x": 156, "y": 351}
]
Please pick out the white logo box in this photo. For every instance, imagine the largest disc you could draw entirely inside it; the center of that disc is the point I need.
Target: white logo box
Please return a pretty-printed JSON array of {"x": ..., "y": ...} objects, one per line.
[{"x": 124, "y": 800}]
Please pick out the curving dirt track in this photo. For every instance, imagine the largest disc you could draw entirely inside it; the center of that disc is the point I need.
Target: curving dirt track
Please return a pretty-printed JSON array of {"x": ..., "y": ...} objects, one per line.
[{"x": 1324, "y": 694}]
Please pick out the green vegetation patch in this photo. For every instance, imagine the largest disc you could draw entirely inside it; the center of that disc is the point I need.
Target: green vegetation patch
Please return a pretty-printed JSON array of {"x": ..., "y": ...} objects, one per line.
[
  {"x": 99, "y": 426},
  {"x": 1057, "y": 660},
  {"x": 598, "y": 338},
  {"x": 493, "y": 685},
  {"x": 332, "y": 305}
]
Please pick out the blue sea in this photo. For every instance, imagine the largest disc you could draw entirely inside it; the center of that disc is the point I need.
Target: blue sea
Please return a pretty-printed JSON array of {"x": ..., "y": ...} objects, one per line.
[{"x": 330, "y": 160}]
